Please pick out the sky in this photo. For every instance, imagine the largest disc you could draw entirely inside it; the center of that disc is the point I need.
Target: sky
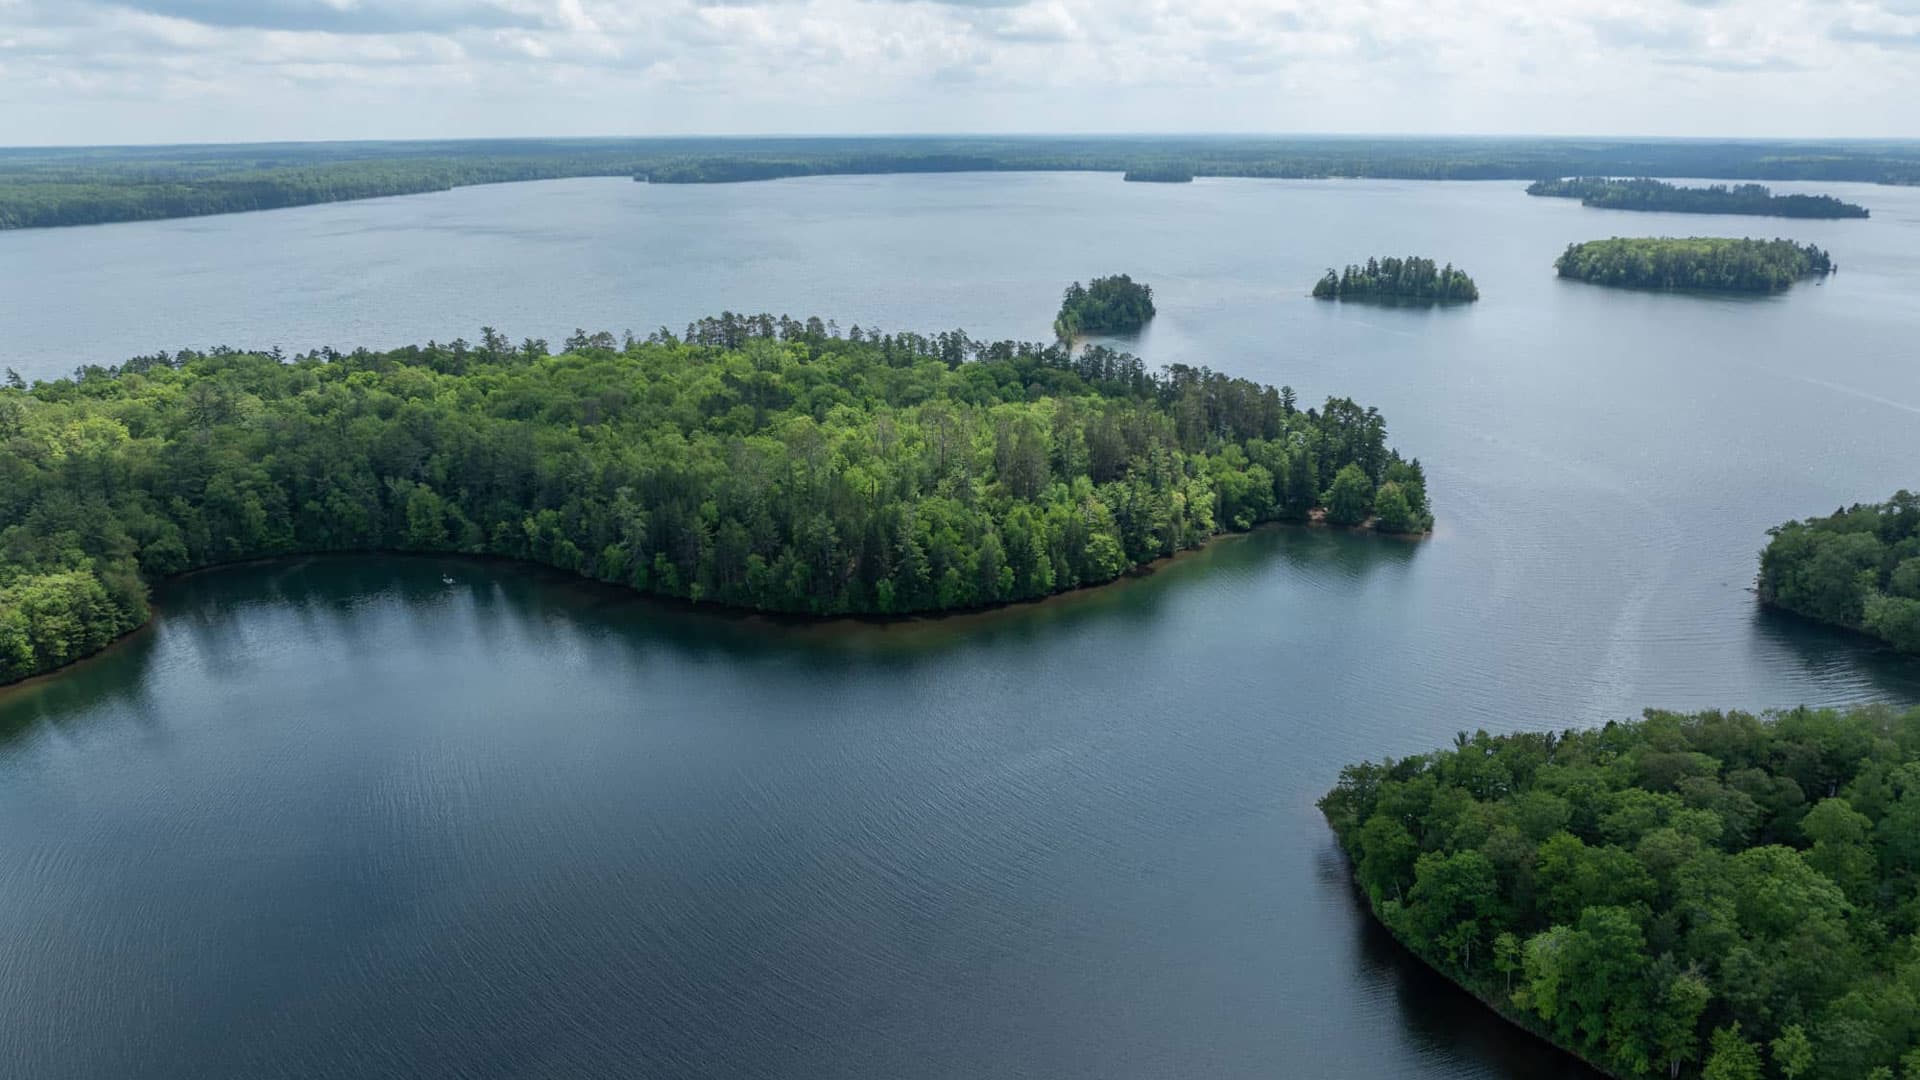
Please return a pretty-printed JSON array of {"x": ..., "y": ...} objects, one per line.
[{"x": 155, "y": 71}]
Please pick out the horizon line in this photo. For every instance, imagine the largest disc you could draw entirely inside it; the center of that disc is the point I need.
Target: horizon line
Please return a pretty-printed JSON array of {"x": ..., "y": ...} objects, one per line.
[{"x": 977, "y": 135}]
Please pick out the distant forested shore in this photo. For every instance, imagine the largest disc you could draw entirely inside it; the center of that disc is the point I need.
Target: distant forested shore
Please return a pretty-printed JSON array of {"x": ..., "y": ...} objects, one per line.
[
  {"x": 42, "y": 187},
  {"x": 1159, "y": 174},
  {"x": 754, "y": 462},
  {"x": 1646, "y": 193},
  {"x": 1700, "y": 263},
  {"x": 1859, "y": 568},
  {"x": 1396, "y": 280}
]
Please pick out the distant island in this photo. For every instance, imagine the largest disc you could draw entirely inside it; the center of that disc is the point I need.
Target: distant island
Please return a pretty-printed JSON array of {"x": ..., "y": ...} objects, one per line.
[
  {"x": 1649, "y": 194},
  {"x": 756, "y": 462},
  {"x": 1393, "y": 280},
  {"x": 1713, "y": 895},
  {"x": 1159, "y": 174},
  {"x": 1108, "y": 305},
  {"x": 1706, "y": 264},
  {"x": 1858, "y": 568},
  {"x": 54, "y": 186}
]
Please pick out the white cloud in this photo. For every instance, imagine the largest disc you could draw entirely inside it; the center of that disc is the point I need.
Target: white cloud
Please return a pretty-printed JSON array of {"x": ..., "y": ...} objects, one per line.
[{"x": 164, "y": 70}]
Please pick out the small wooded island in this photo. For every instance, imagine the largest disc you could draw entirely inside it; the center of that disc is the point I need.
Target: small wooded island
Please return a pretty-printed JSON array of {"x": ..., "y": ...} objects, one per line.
[
  {"x": 1713, "y": 895},
  {"x": 1858, "y": 568},
  {"x": 1646, "y": 193},
  {"x": 1107, "y": 305},
  {"x": 1159, "y": 174},
  {"x": 1394, "y": 280},
  {"x": 1701, "y": 263},
  {"x": 761, "y": 463}
]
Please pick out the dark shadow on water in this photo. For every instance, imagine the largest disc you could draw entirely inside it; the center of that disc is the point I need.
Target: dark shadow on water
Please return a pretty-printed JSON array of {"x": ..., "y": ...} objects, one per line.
[
  {"x": 117, "y": 677},
  {"x": 1394, "y": 303},
  {"x": 211, "y": 609},
  {"x": 1442, "y": 1020},
  {"x": 1829, "y": 655},
  {"x": 1694, "y": 296}
]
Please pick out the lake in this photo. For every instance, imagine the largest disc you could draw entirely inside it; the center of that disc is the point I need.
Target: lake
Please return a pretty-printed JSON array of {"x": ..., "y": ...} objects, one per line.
[{"x": 374, "y": 816}]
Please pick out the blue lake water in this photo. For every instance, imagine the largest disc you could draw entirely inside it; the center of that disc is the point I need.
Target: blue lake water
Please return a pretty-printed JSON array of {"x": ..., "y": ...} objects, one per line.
[{"x": 341, "y": 818}]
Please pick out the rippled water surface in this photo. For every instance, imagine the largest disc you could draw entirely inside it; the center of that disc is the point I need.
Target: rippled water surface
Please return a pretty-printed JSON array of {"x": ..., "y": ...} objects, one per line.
[{"x": 343, "y": 818}]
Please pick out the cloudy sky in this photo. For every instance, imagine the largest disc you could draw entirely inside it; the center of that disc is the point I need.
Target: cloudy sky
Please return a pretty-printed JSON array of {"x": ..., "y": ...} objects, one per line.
[{"x": 88, "y": 71}]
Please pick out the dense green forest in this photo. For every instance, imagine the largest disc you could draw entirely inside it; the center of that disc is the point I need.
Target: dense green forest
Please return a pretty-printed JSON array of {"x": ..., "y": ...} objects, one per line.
[
  {"x": 1160, "y": 174},
  {"x": 1705, "y": 263},
  {"x": 1646, "y": 193},
  {"x": 1712, "y": 895},
  {"x": 88, "y": 185},
  {"x": 1858, "y": 568},
  {"x": 758, "y": 462},
  {"x": 1412, "y": 278},
  {"x": 1107, "y": 305}
]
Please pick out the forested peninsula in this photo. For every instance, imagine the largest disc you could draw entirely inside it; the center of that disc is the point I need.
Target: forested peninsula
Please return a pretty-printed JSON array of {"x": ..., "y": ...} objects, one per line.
[
  {"x": 1107, "y": 305},
  {"x": 1646, "y": 193},
  {"x": 1703, "y": 264},
  {"x": 1858, "y": 568},
  {"x": 762, "y": 463},
  {"x": 1713, "y": 895},
  {"x": 53, "y": 186},
  {"x": 1395, "y": 280}
]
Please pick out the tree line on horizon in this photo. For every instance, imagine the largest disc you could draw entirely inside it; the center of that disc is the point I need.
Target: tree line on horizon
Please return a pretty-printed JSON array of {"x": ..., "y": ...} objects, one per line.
[{"x": 46, "y": 187}]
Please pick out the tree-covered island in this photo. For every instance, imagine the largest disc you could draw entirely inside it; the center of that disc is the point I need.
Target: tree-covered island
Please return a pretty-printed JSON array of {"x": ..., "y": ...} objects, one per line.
[
  {"x": 762, "y": 463},
  {"x": 1701, "y": 263},
  {"x": 1394, "y": 280},
  {"x": 1646, "y": 193},
  {"x": 1107, "y": 305},
  {"x": 1715, "y": 895},
  {"x": 1858, "y": 568}
]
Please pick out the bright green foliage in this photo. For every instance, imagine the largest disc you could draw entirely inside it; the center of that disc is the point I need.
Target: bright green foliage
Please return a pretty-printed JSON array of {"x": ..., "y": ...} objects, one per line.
[
  {"x": 1668, "y": 897},
  {"x": 1410, "y": 279},
  {"x": 761, "y": 463},
  {"x": 1650, "y": 194},
  {"x": 1733, "y": 1058},
  {"x": 1350, "y": 499},
  {"x": 1792, "y": 1052},
  {"x": 1706, "y": 264},
  {"x": 1110, "y": 305},
  {"x": 1858, "y": 568}
]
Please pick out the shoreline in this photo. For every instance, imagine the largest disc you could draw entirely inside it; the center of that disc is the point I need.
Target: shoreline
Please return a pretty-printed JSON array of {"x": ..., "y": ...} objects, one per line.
[
  {"x": 1860, "y": 635},
  {"x": 1512, "y": 1020},
  {"x": 682, "y": 605}
]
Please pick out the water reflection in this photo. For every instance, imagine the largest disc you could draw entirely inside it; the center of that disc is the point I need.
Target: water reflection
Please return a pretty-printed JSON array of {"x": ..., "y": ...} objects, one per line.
[
  {"x": 1438, "y": 1018},
  {"x": 208, "y": 609},
  {"x": 1824, "y": 655}
]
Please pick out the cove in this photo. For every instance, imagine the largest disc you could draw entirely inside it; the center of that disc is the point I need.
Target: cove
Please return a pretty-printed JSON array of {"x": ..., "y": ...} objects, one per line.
[{"x": 524, "y": 822}]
